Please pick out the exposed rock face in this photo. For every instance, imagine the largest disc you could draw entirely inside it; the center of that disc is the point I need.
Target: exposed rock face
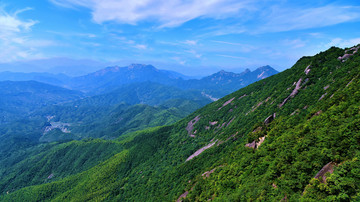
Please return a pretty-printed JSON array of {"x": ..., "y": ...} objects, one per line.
[
  {"x": 251, "y": 145},
  {"x": 191, "y": 124},
  {"x": 293, "y": 93},
  {"x": 213, "y": 123},
  {"x": 183, "y": 196},
  {"x": 226, "y": 103},
  {"x": 327, "y": 168},
  {"x": 255, "y": 144},
  {"x": 348, "y": 55},
  {"x": 350, "y": 82},
  {"x": 257, "y": 129},
  {"x": 261, "y": 140},
  {"x": 270, "y": 118},
  {"x": 230, "y": 121},
  {"x": 322, "y": 96},
  {"x": 242, "y": 96},
  {"x": 307, "y": 70},
  {"x": 198, "y": 152},
  {"x": 64, "y": 127},
  {"x": 207, "y": 173}
]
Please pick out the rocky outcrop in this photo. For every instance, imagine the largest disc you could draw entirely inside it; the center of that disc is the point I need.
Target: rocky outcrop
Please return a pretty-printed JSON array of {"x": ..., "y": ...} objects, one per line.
[
  {"x": 182, "y": 196},
  {"x": 198, "y": 152},
  {"x": 293, "y": 93},
  {"x": 328, "y": 168},
  {"x": 226, "y": 103},
  {"x": 64, "y": 127},
  {"x": 348, "y": 55},
  {"x": 242, "y": 96},
  {"x": 251, "y": 145},
  {"x": 207, "y": 173},
  {"x": 255, "y": 144},
  {"x": 191, "y": 124},
  {"x": 307, "y": 70},
  {"x": 270, "y": 118},
  {"x": 322, "y": 96}
]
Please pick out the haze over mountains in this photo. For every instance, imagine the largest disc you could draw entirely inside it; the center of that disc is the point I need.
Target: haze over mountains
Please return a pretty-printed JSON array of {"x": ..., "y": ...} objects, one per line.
[
  {"x": 148, "y": 100},
  {"x": 110, "y": 78},
  {"x": 292, "y": 136},
  {"x": 134, "y": 97}
]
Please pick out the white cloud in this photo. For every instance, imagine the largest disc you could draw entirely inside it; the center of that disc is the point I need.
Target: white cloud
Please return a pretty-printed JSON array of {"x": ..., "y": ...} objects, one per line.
[
  {"x": 287, "y": 19},
  {"x": 167, "y": 13},
  {"x": 343, "y": 43},
  {"x": 140, "y": 46},
  {"x": 179, "y": 60},
  {"x": 194, "y": 53},
  {"x": 190, "y": 42},
  {"x": 294, "y": 43},
  {"x": 13, "y": 36},
  {"x": 241, "y": 47},
  {"x": 10, "y": 23},
  {"x": 231, "y": 56}
]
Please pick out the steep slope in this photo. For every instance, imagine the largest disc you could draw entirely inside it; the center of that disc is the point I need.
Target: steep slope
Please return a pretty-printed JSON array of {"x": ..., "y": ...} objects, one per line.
[{"x": 267, "y": 141}]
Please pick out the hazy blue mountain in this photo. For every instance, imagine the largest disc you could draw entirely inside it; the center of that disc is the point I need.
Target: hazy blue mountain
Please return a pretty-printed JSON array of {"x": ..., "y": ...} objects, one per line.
[
  {"x": 19, "y": 98},
  {"x": 53, "y": 79},
  {"x": 58, "y": 65},
  {"x": 223, "y": 83},
  {"x": 108, "y": 79},
  {"x": 218, "y": 84},
  {"x": 111, "y": 78}
]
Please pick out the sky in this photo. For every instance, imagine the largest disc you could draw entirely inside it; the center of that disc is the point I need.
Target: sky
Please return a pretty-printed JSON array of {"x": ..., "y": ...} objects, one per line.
[{"x": 194, "y": 37}]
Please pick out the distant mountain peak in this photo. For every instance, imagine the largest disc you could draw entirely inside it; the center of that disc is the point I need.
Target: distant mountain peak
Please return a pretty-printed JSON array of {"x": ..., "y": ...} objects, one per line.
[
  {"x": 247, "y": 70},
  {"x": 141, "y": 66}
]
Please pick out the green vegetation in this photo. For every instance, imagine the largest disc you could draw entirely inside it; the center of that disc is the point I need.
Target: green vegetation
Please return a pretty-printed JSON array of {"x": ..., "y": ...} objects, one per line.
[{"x": 317, "y": 122}]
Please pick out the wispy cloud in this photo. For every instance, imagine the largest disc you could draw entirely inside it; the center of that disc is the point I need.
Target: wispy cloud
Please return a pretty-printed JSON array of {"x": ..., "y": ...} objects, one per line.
[
  {"x": 73, "y": 34},
  {"x": 194, "y": 53},
  {"x": 241, "y": 47},
  {"x": 190, "y": 42},
  {"x": 13, "y": 36},
  {"x": 166, "y": 13},
  {"x": 231, "y": 56},
  {"x": 287, "y": 19},
  {"x": 294, "y": 43},
  {"x": 179, "y": 60},
  {"x": 343, "y": 43},
  {"x": 140, "y": 46},
  {"x": 10, "y": 23}
]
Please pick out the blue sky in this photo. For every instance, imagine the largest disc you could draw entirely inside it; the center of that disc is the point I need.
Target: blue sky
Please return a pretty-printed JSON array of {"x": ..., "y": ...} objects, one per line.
[{"x": 194, "y": 37}]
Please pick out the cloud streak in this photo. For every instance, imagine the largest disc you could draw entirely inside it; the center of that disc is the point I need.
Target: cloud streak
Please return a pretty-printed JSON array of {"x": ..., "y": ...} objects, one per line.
[
  {"x": 167, "y": 13},
  {"x": 288, "y": 19},
  {"x": 13, "y": 36}
]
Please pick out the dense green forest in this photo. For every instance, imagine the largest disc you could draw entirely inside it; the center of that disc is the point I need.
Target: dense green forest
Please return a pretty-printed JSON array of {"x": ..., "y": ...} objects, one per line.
[{"x": 267, "y": 142}]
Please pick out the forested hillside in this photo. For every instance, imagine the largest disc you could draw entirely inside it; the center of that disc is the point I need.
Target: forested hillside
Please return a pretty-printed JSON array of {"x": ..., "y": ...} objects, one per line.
[{"x": 292, "y": 136}]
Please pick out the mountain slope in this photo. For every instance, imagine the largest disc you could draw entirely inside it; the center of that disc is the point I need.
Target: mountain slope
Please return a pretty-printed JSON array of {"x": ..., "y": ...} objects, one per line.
[{"x": 267, "y": 141}]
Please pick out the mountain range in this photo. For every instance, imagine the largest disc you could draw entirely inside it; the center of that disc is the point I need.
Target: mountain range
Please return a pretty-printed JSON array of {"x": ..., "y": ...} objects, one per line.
[
  {"x": 293, "y": 136},
  {"x": 111, "y": 78},
  {"x": 59, "y": 107}
]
